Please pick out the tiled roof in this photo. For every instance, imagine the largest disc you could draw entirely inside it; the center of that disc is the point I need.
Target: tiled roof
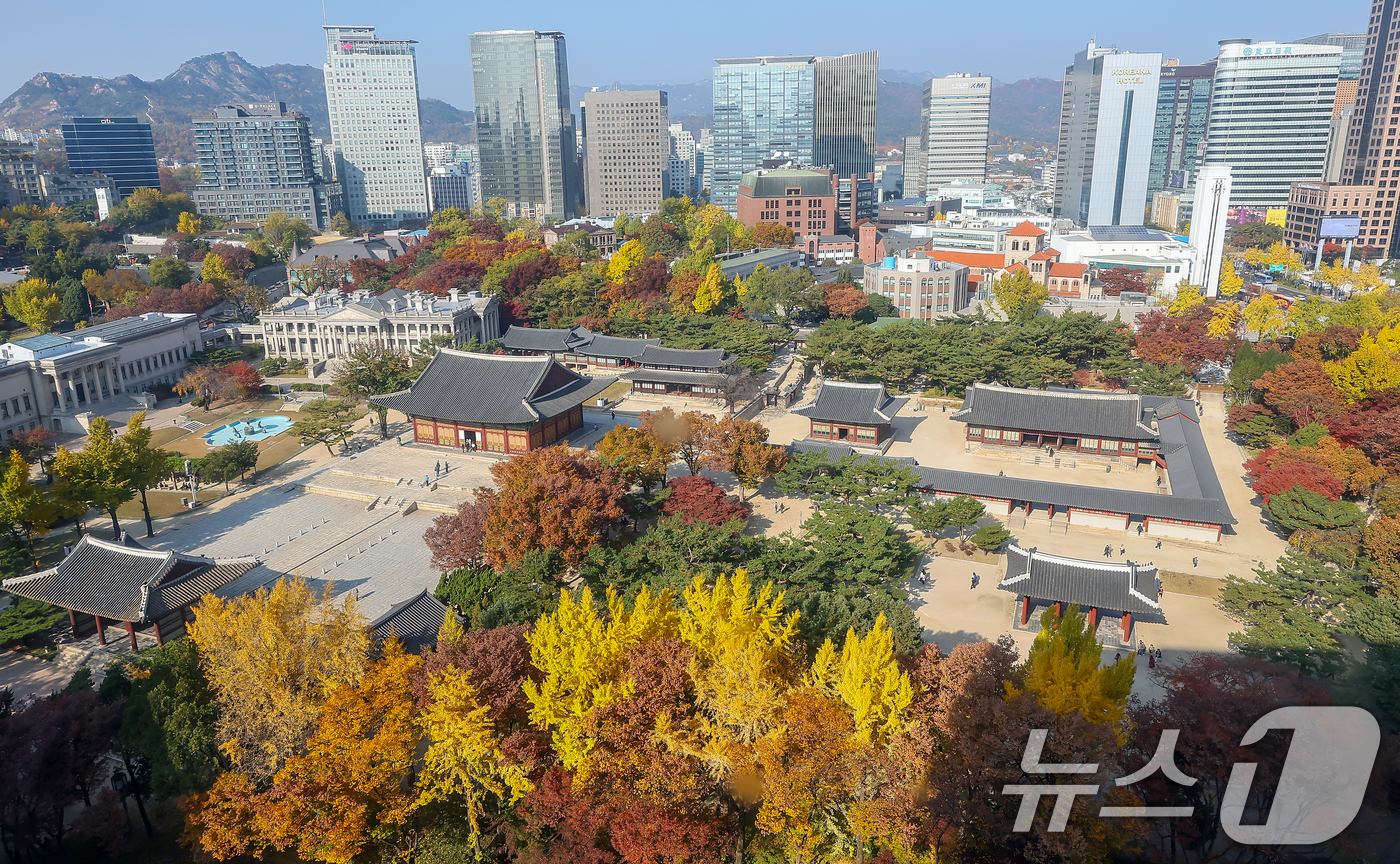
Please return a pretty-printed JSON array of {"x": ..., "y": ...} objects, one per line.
[
  {"x": 464, "y": 387},
  {"x": 1064, "y": 412},
  {"x": 124, "y": 581},
  {"x": 1045, "y": 255},
  {"x": 383, "y": 248},
  {"x": 1025, "y": 229},
  {"x": 614, "y": 346},
  {"x": 1127, "y": 587},
  {"x": 415, "y": 622},
  {"x": 1069, "y": 271},
  {"x": 544, "y": 339},
  {"x": 1209, "y": 510},
  {"x": 1016, "y": 268},
  {"x": 1189, "y": 465},
  {"x": 706, "y": 358},
  {"x": 843, "y": 402},
  {"x": 774, "y": 184}
]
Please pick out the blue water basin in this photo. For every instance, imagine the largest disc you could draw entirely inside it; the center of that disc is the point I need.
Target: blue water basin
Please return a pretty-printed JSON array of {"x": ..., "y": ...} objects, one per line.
[{"x": 255, "y": 429}]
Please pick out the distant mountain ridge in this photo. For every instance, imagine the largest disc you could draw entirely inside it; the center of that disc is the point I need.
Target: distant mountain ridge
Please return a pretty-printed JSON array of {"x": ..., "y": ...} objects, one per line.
[{"x": 200, "y": 84}]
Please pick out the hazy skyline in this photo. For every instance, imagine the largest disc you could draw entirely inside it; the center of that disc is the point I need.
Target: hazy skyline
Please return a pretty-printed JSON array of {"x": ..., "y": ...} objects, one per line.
[{"x": 643, "y": 43}]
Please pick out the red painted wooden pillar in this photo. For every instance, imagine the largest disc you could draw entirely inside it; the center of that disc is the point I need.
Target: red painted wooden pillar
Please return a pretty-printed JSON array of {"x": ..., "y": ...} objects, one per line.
[
  {"x": 1028, "y": 508},
  {"x": 101, "y": 634},
  {"x": 1127, "y": 625},
  {"x": 1059, "y": 610},
  {"x": 1093, "y": 616},
  {"x": 160, "y": 640},
  {"x": 131, "y": 634},
  {"x": 1052, "y": 511},
  {"x": 73, "y": 623}
]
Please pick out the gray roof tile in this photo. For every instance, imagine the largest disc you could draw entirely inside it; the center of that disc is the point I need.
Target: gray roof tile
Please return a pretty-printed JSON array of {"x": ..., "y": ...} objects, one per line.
[
  {"x": 1124, "y": 587},
  {"x": 843, "y": 402},
  {"x": 1069, "y": 412},
  {"x": 415, "y": 622},
  {"x": 124, "y": 581},
  {"x": 703, "y": 358},
  {"x": 464, "y": 387}
]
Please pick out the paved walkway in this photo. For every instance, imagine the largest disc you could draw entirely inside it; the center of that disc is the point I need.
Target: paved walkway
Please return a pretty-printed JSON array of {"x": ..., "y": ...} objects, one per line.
[{"x": 29, "y": 676}]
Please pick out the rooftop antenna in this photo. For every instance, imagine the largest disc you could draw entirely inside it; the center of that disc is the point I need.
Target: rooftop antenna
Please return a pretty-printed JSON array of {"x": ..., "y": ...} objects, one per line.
[{"x": 324, "y": 20}]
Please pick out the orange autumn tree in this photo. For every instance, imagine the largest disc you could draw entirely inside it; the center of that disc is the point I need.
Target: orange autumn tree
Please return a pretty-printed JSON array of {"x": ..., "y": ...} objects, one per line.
[
  {"x": 549, "y": 499},
  {"x": 351, "y": 792}
]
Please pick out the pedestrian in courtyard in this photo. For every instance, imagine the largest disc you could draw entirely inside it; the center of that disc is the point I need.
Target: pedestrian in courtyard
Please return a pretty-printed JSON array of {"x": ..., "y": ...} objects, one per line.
[
  {"x": 613, "y": 414},
  {"x": 1195, "y": 562},
  {"x": 1151, "y": 661},
  {"x": 1159, "y": 544},
  {"x": 1108, "y": 551},
  {"x": 1122, "y": 550},
  {"x": 425, "y": 479},
  {"x": 1159, "y": 653},
  {"x": 446, "y": 467},
  {"x": 437, "y": 469}
]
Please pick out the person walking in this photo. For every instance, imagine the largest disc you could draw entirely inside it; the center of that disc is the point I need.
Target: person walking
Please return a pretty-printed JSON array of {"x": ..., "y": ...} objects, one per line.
[
  {"x": 1159, "y": 544},
  {"x": 1108, "y": 551},
  {"x": 437, "y": 469},
  {"x": 1122, "y": 550},
  {"x": 1195, "y": 562}
]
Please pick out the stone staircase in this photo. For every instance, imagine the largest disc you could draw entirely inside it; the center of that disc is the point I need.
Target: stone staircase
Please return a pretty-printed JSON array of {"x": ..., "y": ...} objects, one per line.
[{"x": 406, "y": 495}]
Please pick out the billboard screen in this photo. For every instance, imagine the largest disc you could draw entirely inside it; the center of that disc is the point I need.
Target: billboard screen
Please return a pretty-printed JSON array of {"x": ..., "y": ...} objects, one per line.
[
  {"x": 1275, "y": 216},
  {"x": 1340, "y": 227}
]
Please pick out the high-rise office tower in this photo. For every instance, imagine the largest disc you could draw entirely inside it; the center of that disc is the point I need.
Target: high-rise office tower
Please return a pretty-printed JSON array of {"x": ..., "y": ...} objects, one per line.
[
  {"x": 1353, "y": 47},
  {"x": 1107, "y": 114},
  {"x": 372, "y": 95},
  {"x": 843, "y": 116},
  {"x": 1183, "y": 107},
  {"x": 525, "y": 122},
  {"x": 816, "y": 111},
  {"x": 1270, "y": 110},
  {"x": 683, "y": 146},
  {"x": 254, "y": 159},
  {"x": 914, "y": 166},
  {"x": 705, "y": 162},
  {"x": 1371, "y": 140},
  {"x": 629, "y": 151},
  {"x": 119, "y": 147},
  {"x": 953, "y": 127}
]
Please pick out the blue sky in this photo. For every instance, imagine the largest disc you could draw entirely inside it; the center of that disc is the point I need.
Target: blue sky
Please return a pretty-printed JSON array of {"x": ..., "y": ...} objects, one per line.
[{"x": 646, "y": 42}]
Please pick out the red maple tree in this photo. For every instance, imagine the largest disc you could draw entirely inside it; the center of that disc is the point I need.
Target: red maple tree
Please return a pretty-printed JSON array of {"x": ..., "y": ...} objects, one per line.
[
  {"x": 1163, "y": 339},
  {"x": 700, "y": 499},
  {"x": 455, "y": 539},
  {"x": 1312, "y": 477}
]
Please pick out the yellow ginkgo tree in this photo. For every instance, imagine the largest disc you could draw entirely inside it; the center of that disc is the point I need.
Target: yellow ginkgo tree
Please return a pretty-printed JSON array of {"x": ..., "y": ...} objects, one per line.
[{"x": 867, "y": 679}]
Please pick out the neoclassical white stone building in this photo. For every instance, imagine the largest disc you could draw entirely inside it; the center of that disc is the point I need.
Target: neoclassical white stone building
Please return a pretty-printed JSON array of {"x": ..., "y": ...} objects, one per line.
[
  {"x": 327, "y": 325},
  {"x": 52, "y": 379}
]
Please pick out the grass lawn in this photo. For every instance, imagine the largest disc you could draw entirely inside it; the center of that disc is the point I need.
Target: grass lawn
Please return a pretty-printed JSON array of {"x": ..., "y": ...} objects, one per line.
[
  {"x": 166, "y": 503},
  {"x": 49, "y": 549},
  {"x": 1190, "y": 583},
  {"x": 616, "y": 390}
]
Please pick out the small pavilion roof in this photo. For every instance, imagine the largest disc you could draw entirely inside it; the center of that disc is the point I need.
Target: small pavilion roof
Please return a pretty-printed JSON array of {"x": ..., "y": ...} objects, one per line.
[
  {"x": 1126, "y": 587},
  {"x": 124, "y": 581},
  {"x": 842, "y": 401}
]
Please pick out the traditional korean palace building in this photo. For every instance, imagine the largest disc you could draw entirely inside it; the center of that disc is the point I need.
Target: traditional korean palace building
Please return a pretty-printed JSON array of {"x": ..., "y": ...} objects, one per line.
[
  {"x": 1185, "y": 514},
  {"x": 682, "y": 371},
  {"x": 494, "y": 402},
  {"x": 854, "y": 414},
  {"x": 576, "y": 346},
  {"x": 107, "y": 582},
  {"x": 1108, "y": 425},
  {"x": 1113, "y": 596}
]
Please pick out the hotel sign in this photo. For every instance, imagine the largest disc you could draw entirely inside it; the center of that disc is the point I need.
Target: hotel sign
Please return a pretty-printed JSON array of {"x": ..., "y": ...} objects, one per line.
[{"x": 1129, "y": 76}]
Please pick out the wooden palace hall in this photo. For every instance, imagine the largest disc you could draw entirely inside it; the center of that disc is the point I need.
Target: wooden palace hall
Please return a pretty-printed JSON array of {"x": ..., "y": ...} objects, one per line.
[
  {"x": 856, "y": 414},
  {"x": 494, "y": 402},
  {"x": 120, "y": 582},
  {"x": 1113, "y": 597}
]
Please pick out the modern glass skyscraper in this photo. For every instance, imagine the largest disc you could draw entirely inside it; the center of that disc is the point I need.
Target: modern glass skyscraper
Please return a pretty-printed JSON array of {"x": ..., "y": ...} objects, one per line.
[
  {"x": 817, "y": 111},
  {"x": 843, "y": 116},
  {"x": 1269, "y": 117},
  {"x": 525, "y": 123},
  {"x": 1353, "y": 47},
  {"x": 762, "y": 105},
  {"x": 372, "y": 94},
  {"x": 956, "y": 117},
  {"x": 1107, "y": 114},
  {"x": 1183, "y": 106},
  {"x": 119, "y": 147}
]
